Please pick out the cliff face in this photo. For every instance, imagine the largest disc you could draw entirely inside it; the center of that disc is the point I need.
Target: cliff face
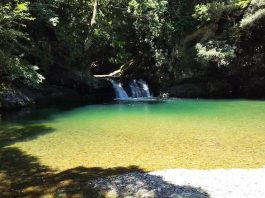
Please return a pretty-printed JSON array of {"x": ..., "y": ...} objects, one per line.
[
  {"x": 13, "y": 98},
  {"x": 17, "y": 97},
  {"x": 75, "y": 92}
]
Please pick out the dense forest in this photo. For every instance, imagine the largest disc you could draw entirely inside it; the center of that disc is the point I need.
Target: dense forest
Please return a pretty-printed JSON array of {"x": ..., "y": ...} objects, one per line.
[{"x": 186, "y": 48}]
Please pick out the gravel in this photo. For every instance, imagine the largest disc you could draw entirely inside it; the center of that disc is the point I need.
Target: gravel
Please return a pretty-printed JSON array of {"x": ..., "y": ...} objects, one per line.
[
  {"x": 185, "y": 183},
  {"x": 225, "y": 183},
  {"x": 143, "y": 185}
]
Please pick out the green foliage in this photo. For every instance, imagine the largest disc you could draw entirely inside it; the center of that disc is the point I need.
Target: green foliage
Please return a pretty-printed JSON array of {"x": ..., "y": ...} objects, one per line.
[
  {"x": 14, "y": 43},
  {"x": 242, "y": 3},
  {"x": 164, "y": 39},
  {"x": 11, "y": 13},
  {"x": 209, "y": 12},
  {"x": 60, "y": 31},
  {"x": 215, "y": 51},
  {"x": 255, "y": 12},
  {"x": 148, "y": 22},
  {"x": 130, "y": 29}
]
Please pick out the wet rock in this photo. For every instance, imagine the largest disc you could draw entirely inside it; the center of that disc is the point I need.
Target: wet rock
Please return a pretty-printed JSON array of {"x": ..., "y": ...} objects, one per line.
[
  {"x": 188, "y": 91},
  {"x": 13, "y": 98},
  {"x": 207, "y": 89}
]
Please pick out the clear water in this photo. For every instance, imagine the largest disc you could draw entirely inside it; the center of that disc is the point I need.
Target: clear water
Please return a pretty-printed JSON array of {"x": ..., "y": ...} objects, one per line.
[{"x": 197, "y": 134}]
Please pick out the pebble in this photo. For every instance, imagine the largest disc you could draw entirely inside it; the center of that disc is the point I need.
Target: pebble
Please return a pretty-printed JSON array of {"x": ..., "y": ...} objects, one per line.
[
  {"x": 144, "y": 185},
  {"x": 185, "y": 183}
]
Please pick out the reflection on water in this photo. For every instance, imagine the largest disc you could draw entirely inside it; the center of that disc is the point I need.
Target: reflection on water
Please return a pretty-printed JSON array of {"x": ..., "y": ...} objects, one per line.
[{"x": 152, "y": 135}]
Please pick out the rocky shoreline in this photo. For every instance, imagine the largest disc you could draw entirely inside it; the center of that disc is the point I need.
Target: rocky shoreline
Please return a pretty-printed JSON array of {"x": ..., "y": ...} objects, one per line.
[
  {"x": 16, "y": 96},
  {"x": 184, "y": 183},
  {"x": 143, "y": 185}
]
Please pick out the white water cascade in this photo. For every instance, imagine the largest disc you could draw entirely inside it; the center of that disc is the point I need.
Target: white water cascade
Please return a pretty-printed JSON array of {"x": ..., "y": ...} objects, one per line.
[
  {"x": 119, "y": 91},
  {"x": 139, "y": 89},
  {"x": 135, "y": 89}
]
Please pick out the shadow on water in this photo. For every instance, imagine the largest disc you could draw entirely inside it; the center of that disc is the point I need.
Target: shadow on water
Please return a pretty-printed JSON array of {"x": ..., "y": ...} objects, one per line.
[
  {"x": 35, "y": 114},
  {"x": 11, "y": 134},
  {"x": 38, "y": 114}
]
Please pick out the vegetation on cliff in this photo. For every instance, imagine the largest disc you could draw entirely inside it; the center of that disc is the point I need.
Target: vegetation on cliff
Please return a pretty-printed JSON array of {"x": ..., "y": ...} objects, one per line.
[{"x": 62, "y": 42}]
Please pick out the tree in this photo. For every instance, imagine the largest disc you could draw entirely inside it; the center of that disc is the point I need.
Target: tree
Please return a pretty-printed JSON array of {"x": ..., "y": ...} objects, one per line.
[{"x": 14, "y": 45}]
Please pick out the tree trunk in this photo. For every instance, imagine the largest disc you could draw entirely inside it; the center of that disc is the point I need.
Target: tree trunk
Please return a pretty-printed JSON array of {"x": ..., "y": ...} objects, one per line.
[
  {"x": 88, "y": 41},
  {"x": 93, "y": 20}
]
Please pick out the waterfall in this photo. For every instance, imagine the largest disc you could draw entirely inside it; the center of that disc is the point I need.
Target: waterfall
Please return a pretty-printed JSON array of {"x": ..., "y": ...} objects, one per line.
[
  {"x": 119, "y": 91},
  {"x": 145, "y": 88},
  {"x": 139, "y": 89},
  {"x": 135, "y": 89}
]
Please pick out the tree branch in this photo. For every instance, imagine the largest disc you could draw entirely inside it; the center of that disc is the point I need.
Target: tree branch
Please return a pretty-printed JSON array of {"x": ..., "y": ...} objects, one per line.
[{"x": 93, "y": 20}]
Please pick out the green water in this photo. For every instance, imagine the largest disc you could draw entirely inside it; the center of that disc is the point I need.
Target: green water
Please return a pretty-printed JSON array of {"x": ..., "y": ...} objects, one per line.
[{"x": 200, "y": 134}]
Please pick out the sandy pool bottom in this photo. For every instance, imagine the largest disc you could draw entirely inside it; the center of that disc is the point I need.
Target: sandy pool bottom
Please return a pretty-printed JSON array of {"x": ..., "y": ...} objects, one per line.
[{"x": 152, "y": 143}]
